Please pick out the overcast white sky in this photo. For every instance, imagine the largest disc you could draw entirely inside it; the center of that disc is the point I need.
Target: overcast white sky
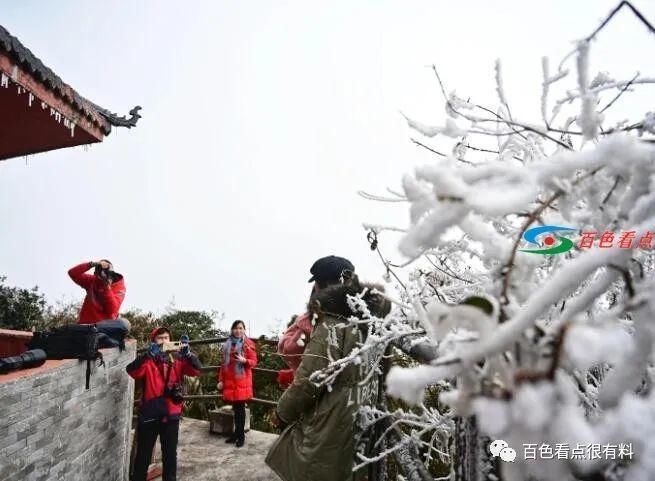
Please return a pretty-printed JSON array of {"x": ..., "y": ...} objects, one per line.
[{"x": 261, "y": 121}]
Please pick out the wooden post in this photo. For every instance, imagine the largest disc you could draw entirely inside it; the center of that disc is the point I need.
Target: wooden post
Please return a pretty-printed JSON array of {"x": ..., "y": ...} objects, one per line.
[{"x": 472, "y": 459}]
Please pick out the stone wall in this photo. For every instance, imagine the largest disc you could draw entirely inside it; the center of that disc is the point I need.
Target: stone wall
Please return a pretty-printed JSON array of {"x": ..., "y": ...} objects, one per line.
[{"x": 52, "y": 428}]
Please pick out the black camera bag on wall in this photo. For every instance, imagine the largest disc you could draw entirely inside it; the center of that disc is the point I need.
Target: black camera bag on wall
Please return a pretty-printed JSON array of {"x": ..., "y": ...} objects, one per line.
[{"x": 73, "y": 341}]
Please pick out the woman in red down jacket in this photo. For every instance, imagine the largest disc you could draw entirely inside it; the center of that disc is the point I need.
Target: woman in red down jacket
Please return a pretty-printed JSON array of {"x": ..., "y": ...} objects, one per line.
[{"x": 235, "y": 377}]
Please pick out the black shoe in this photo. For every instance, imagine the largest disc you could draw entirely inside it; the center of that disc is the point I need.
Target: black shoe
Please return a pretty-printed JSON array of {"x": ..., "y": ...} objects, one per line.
[
  {"x": 240, "y": 442},
  {"x": 231, "y": 440}
]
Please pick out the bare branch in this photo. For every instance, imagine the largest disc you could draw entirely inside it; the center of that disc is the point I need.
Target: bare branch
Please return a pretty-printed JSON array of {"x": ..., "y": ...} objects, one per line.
[
  {"x": 437, "y": 152},
  {"x": 509, "y": 265},
  {"x": 620, "y": 93},
  {"x": 378, "y": 198},
  {"x": 624, "y": 3}
]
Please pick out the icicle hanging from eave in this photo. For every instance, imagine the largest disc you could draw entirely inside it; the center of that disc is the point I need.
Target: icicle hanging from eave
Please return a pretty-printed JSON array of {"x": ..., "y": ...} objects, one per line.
[
  {"x": 4, "y": 82},
  {"x": 70, "y": 125},
  {"x": 54, "y": 113}
]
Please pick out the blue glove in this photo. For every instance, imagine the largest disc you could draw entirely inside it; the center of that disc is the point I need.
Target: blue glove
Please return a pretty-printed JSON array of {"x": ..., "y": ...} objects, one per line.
[
  {"x": 154, "y": 350},
  {"x": 186, "y": 349}
]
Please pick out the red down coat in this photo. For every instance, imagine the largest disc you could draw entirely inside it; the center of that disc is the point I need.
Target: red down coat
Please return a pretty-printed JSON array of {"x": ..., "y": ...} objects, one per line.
[
  {"x": 153, "y": 371},
  {"x": 101, "y": 303},
  {"x": 294, "y": 340},
  {"x": 235, "y": 387}
]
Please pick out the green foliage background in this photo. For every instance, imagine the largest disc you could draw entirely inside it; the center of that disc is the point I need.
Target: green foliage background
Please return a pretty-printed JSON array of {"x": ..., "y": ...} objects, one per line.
[
  {"x": 27, "y": 310},
  {"x": 20, "y": 308}
]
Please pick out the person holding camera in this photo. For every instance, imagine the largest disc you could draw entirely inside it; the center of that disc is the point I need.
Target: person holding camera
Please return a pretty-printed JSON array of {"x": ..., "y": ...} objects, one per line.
[
  {"x": 162, "y": 368},
  {"x": 105, "y": 291},
  {"x": 235, "y": 377}
]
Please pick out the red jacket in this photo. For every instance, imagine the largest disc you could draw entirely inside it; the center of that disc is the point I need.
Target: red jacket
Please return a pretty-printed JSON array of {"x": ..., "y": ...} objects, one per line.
[
  {"x": 101, "y": 302},
  {"x": 153, "y": 371},
  {"x": 235, "y": 387},
  {"x": 292, "y": 345}
]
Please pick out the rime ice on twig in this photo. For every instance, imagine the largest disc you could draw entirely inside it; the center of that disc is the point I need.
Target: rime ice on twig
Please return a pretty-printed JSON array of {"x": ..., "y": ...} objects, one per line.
[{"x": 566, "y": 354}]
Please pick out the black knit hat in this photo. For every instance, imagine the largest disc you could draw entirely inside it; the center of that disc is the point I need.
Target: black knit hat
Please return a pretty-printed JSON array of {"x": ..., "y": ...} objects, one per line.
[{"x": 329, "y": 269}]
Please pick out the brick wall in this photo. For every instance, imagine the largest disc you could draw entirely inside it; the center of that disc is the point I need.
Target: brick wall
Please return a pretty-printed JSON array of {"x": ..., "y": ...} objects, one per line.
[{"x": 52, "y": 428}]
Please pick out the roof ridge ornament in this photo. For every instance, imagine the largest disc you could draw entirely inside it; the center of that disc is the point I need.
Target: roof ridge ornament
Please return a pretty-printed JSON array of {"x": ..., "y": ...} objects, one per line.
[{"x": 117, "y": 121}]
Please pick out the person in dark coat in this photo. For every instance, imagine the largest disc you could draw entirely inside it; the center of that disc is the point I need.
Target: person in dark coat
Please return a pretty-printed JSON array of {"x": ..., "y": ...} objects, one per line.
[
  {"x": 161, "y": 404},
  {"x": 318, "y": 437},
  {"x": 326, "y": 272},
  {"x": 235, "y": 377}
]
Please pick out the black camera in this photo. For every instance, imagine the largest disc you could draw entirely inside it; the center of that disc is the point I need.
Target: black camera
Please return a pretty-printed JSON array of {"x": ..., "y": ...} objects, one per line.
[
  {"x": 106, "y": 273},
  {"x": 103, "y": 273},
  {"x": 28, "y": 359},
  {"x": 175, "y": 393}
]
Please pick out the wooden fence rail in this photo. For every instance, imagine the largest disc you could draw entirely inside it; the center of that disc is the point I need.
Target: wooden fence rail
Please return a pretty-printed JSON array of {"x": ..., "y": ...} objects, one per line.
[
  {"x": 208, "y": 370},
  {"x": 214, "y": 397},
  {"x": 214, "y": 369},
  {"x": 220, "y": 340}
]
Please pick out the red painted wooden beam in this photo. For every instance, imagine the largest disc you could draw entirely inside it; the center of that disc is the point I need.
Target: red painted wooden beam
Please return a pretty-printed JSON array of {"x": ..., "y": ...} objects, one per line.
[{"x": 29, "y": 126}]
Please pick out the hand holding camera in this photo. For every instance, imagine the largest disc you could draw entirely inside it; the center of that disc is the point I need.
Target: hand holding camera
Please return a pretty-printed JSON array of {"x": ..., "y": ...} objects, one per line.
[
  {"x": 171, "y": 346},
  {"x": 103, "y": 270},
  {"x": 181, "y": 346},
  {"x": 101, "y": 264},
  {"x": 185, "y": 349},
  {"x": 154, "y": 350}
]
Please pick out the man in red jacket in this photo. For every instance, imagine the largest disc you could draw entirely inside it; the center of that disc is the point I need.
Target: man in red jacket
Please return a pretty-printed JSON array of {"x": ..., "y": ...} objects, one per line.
[
  {"x": 161, "y": 404},
  {"x": 105, "y": 291}
]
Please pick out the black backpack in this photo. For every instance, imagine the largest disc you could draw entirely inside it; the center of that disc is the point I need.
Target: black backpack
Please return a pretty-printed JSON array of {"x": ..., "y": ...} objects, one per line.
[{"x": 74, "y": 341}]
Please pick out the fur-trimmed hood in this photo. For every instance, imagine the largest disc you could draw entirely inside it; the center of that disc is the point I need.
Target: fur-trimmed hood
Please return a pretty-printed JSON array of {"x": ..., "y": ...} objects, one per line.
[{"x": 333, "y": 300}]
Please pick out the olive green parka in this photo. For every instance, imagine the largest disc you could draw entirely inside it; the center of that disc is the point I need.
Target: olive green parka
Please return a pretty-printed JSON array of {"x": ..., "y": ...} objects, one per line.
[{"x": 318, "y": 443}]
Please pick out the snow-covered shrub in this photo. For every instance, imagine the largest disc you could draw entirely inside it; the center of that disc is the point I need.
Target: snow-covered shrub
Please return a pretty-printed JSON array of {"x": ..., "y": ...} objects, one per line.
[{"x": 543, "y": 349}]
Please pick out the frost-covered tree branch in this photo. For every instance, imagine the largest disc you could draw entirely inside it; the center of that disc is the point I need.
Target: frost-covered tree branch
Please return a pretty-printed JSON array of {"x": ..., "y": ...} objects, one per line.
[
  {"x": 554, "y": 323},
  {"x": 553, "y": 347}
]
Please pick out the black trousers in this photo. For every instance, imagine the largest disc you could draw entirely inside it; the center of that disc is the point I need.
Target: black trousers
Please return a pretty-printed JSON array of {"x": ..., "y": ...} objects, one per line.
[
  {"x": 239, "y": 408},
  {"x": 146, "y": 438}
]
